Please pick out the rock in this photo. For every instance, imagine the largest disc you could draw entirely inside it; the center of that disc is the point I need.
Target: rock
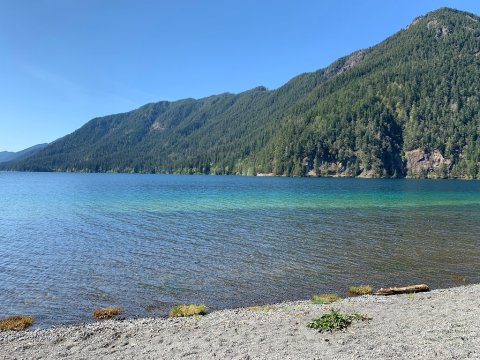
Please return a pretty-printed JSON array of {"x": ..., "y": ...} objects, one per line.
[{"x": 424, "y": 164}]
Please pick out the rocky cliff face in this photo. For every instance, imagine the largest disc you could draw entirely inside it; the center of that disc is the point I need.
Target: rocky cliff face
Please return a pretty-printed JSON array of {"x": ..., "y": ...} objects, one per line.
[
  {"x": 421, "y": 164},
  {"x": 418, "y": 163}
]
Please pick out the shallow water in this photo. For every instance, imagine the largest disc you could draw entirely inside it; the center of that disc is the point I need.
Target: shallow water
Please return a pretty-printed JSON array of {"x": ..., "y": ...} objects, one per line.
[{"x": 70, "y": 243}]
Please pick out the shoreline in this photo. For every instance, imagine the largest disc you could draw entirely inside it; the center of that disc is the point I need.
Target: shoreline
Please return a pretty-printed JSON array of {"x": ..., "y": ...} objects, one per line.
[
  {"x": 436, "y": 324},
  {"x": 266, "y": 175}
]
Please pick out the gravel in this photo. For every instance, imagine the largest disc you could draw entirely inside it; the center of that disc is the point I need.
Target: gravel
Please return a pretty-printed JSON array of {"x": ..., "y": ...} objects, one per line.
[{"x": 441, "y": 324}]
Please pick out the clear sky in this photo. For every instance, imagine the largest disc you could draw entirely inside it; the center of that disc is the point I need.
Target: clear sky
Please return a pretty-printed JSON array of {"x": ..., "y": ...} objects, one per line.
[{"x": 64, "y": 62}]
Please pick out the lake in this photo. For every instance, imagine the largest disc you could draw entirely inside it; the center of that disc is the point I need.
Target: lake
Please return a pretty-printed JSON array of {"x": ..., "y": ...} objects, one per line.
[{"x": 70, "y": 243}]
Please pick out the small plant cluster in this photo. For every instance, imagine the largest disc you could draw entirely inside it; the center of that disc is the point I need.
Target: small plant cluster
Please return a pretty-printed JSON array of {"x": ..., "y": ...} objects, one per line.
[
  {"x": 334, "y": 320},
  {"x": 359, "y": 290},
  {"x": 324, "y": 298},
  {"x": 188, "y": 310},
  {"x": 107, "y": 313},
  {"x": 16, "y": 322},
  {"x": 177, "y": 311}
]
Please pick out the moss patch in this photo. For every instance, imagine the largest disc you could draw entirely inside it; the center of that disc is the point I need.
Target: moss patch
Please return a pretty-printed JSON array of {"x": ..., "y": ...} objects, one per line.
[
  {"x": 359, "y": 290},
  {"x": 16, "y": 322},
  {"x": 324, "y": 298},
  {"x": 188, "y": 310},
  {"x": 107, "y": 313}
]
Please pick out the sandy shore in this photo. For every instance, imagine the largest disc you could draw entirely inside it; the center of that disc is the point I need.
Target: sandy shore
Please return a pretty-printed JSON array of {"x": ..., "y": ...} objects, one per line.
[{"x": 441, "y": 324}]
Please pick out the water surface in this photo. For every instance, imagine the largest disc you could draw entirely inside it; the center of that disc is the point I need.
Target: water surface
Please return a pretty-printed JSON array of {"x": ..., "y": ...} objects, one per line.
[{"x": 70, "y": 243}]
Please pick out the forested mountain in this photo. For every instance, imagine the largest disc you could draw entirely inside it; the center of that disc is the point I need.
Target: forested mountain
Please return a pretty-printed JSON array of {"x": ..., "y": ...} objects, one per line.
[
  {"x": 19, "y": 155},
  {"x": 409, "y": 106}
]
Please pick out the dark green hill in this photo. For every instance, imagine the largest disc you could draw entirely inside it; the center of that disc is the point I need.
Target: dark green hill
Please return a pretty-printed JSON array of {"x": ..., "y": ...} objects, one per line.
[{"x": 408, "y": 106}]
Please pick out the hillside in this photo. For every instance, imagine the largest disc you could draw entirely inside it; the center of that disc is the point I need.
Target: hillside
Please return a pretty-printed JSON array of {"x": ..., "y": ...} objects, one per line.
[
  {"x": 20, "y": 155},
  {"x": 408, "y": 106}
]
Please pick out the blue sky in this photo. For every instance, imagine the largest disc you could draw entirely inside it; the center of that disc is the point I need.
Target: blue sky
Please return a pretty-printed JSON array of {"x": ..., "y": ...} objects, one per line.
[{"x": 64, "y": 62}]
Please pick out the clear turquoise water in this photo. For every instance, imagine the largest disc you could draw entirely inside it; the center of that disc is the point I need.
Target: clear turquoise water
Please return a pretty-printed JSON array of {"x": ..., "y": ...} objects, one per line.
[{"x": 70, "y": 243}]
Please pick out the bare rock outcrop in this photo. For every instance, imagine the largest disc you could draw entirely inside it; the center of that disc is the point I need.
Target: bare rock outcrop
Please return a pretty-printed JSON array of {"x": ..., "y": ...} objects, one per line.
[
  {"x": 427, "y": 164},
  {"x": 441, "y": 31},
  {"x": 346, "y": 63}
]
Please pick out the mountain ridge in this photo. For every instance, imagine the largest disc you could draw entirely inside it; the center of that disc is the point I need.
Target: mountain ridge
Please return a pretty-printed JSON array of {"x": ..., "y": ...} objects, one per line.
[
  {"x": 6, "y": 156},
  {"x": 407, "y": 106}
]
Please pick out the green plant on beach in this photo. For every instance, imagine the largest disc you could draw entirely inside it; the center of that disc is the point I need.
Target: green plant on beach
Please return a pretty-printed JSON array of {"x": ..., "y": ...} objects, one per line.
[
  {"x": 16, "y": 322},
  {"x": 359, "y": 290},
  {"x": 107, "y": 312},
  {"x": 334, "y": 320},
  {"x": 324, "y": 298},
  {"x": 188, "y": 310}
]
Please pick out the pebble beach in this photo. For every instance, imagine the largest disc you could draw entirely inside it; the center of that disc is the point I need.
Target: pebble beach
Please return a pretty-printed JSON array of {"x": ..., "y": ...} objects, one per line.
[{"x": 440, "y": 324}]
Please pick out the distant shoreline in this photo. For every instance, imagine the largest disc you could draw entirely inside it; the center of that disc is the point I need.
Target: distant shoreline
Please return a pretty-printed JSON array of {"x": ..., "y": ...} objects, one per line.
[
  {"x": 267, "y": 175},
  {"x": 437, "y": 324}
]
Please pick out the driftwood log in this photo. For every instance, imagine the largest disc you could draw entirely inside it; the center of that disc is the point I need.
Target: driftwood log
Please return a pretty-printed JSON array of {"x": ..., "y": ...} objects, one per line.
[{"x": 402, "y": 290}]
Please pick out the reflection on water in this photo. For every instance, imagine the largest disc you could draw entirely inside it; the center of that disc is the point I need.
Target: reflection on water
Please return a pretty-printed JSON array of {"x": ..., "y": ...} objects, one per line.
[{"x": 73, "y": 242}]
